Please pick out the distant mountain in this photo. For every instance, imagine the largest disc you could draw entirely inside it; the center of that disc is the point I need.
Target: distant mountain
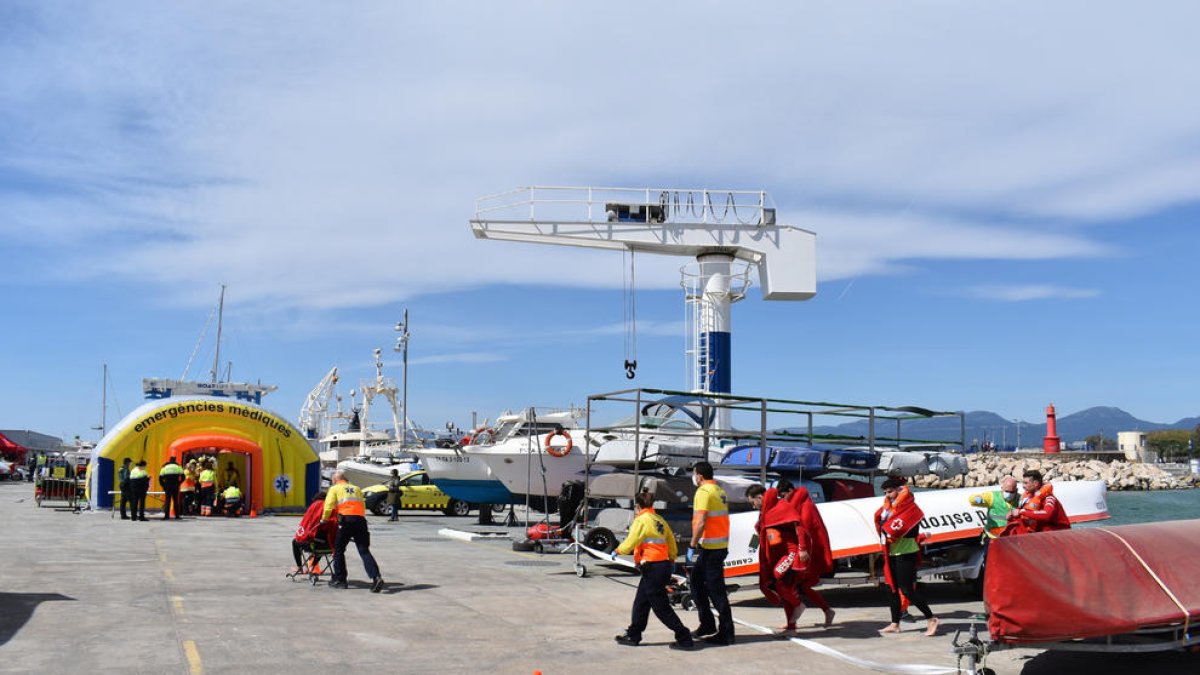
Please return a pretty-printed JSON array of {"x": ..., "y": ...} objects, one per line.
[{"x": 987, "y": 427}]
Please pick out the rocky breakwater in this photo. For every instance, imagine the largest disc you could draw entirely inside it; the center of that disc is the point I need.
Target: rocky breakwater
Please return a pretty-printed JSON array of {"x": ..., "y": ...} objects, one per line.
[{"x": 988, "y": 469}]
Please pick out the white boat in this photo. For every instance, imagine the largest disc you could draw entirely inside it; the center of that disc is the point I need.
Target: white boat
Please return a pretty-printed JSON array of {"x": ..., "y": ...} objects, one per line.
[
  {"x": 948, "y": 518},
  {"x": 464, "y": 476},
  {"x": 376, "y": 467},
  {"x": 668, "y": 433},
  {"x": 519, "y": 457}
]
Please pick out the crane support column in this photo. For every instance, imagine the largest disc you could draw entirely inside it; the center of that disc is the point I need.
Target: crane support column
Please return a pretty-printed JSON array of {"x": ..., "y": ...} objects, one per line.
[{"x": 715, "y": 325}]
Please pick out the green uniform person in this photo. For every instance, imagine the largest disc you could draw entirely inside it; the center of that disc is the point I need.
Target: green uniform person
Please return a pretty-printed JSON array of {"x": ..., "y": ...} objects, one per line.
[{"x": 998, "y": 503}]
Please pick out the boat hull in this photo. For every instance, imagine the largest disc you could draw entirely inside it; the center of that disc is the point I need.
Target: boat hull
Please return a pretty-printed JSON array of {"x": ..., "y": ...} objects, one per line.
[{"x": 462, "y": 475}]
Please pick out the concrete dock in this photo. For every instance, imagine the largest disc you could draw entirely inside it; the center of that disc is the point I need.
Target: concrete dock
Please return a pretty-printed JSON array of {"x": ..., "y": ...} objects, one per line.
[{"x": 89, "y": 593}]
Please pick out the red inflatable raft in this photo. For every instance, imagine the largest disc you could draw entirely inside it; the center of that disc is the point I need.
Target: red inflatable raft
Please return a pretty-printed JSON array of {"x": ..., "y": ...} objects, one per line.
[{"x": 1095, "y": 582}]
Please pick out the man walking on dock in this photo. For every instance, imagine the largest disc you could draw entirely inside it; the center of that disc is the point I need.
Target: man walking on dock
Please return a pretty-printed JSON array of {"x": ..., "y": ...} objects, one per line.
[
  {"x": 710, "y": 540},
  {"x": 346, "y": 501},
  {"x": 652, "y": 544}
]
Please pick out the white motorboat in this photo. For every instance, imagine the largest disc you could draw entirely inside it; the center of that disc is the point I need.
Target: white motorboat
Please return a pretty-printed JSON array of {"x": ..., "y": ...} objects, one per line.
[
  {"x": 534, "y": 452},
  {"x": 464, "y": 476},
  {"x": 668, "y": 433},
  {"x": 376, "y": 466}
]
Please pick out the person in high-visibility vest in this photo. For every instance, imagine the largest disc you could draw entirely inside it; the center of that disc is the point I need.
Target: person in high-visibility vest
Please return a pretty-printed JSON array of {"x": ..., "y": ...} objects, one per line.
[
  {"x": 653, "y": 546},
  {"x": 187, "y": 490},
  {"x": 170, "y": 477},
  {"x": 122, "y": 485},
  {"x": 139, "y": 485},
  {"x": 208, "y": 488},
  {"x": 710, "y": 541},
  {"x": 345, "y": 501},
  {"x": 232, "y": 498}
]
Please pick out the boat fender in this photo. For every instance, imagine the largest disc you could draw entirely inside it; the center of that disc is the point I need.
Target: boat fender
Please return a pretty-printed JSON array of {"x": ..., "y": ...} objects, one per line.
[{"x": 557, "y": 450}]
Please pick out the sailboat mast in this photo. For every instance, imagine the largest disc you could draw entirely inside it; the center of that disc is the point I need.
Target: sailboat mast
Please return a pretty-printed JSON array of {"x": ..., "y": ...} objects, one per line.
[
  {"x": 220, "y": 319},
  {"x": 104, "y": 403}
]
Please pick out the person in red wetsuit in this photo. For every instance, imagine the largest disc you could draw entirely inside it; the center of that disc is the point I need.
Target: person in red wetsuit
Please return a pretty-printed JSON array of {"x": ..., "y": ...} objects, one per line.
[
  {"x": 1038, "y": 510},
  {"x": 820, "y": 560},
  {"x": 898, "y": 522},
  {"x": 311, "y": 527},
  {"x": 782, "y": 550}
]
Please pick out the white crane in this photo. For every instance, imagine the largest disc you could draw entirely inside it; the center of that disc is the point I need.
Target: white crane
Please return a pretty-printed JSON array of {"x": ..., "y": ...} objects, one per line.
[
  {"x": 314, "y": 412},
  {"x": 726, "y": 231}
]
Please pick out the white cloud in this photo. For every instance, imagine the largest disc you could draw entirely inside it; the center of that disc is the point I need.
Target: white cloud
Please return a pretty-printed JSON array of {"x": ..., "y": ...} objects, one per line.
[
  {"x": 465, "y": 357},
  {"x": 1026, "y": 292},
  {"x": 321, "y": 158}
]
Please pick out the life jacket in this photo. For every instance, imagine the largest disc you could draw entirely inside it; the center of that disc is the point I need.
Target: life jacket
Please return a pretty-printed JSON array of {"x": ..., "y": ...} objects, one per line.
[
  {"x": 897, "y": 517},
  {"x": 1033, "y": 506},
  {"x": 716, "y": 528},
  {"x": 207, "y": 478}
]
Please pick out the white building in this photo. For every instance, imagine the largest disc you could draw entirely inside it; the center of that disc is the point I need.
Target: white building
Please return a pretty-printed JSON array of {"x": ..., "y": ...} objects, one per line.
[{"x": 1133, "y": 444}]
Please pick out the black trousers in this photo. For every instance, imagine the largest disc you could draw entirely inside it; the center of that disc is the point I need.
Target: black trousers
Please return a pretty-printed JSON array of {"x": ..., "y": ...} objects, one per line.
[
  {"x": 652, "y": 595},
  {"x": 138, "y": 508},
  {"x": 353, "y": 528},
  {"x": 904, "y": 575},
  {"x": 126, "y": 499},
  {"x": 707, "y": 581},
  {"x": 170, "y": 501}
]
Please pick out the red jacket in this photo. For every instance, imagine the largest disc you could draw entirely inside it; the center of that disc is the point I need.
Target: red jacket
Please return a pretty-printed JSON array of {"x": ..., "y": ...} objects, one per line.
[
  {"x": 1039, "y": 512},
  {"x": 311, "y": 525},
  {"x": 820, "y": 562},
  {"x": 780, "y": 542}
]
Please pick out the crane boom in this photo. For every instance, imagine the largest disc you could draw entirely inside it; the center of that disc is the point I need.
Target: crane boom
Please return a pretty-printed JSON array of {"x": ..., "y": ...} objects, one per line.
[
  {"x": 718, "y": 228},
  {"x": 316, "y": 405}
]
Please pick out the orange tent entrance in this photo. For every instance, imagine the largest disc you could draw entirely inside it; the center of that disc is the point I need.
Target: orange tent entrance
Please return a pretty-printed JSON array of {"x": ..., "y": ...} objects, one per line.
[{"x": 226, "y": 443}]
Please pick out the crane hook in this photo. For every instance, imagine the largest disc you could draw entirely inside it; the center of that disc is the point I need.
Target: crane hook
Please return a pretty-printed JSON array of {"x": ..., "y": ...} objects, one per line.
[{"x": 630, "y": 368}]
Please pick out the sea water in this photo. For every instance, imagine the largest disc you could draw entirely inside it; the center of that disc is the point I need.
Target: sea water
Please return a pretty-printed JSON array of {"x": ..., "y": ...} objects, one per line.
[{"x": 1145, "y": 506}]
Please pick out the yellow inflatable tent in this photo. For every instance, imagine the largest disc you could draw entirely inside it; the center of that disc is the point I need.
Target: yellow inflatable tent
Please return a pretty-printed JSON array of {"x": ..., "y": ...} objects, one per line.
[{"x": 276, "y": 467}]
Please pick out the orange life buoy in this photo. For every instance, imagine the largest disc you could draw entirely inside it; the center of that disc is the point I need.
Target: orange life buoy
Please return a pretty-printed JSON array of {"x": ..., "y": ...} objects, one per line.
[
  {"x": 555, "y": 450},
  {"x": 491, "y": 434}
]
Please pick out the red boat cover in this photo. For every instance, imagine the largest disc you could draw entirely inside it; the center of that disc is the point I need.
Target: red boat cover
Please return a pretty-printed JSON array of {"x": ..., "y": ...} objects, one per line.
[{"x": 1093, "y": 582}]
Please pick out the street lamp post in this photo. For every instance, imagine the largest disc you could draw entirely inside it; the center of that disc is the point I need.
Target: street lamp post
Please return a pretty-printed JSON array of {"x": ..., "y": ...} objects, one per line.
[
  {"x": 1018, "y": 434},
  {"x": 402, "y": 346}
]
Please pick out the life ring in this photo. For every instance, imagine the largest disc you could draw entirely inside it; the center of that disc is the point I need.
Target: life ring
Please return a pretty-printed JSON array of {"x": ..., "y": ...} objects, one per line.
[
  {"x": 555, "y": 450},
  {"x": 491, "y": 434}
]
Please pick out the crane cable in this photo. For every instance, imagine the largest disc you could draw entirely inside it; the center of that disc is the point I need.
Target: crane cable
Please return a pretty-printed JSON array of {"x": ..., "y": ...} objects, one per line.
[{"x": 629, "y": 282}]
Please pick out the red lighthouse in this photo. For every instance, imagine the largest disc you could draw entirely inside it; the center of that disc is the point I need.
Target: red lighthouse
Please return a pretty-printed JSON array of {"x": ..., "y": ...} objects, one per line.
[{"x": 1051, "y": 442}]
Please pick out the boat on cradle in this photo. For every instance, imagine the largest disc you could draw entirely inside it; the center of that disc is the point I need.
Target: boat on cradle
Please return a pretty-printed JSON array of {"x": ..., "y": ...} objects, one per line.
[
  {"x": 1127, "y": 589},
  {"x": 953, "y": 529},
  {"x": 532, "y": 453},
  {"x": 464, "y": 476}
]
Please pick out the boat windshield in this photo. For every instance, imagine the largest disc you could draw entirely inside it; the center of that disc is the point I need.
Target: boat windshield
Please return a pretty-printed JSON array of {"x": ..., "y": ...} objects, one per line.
[
  {"x": 521, "y": 429},
  {"x": 656, "y": 422}
]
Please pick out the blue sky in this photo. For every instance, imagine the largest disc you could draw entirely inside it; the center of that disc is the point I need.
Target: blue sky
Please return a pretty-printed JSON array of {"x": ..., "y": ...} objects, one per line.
[{"x": 1004, "y": 197}]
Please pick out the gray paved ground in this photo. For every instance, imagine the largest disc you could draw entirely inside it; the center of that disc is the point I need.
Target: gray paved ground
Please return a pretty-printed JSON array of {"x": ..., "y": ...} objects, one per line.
[{"x": 88, "y": 593}]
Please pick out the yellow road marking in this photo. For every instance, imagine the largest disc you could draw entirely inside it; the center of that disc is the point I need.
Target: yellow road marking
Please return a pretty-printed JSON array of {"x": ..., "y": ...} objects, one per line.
[
  {"x": 193, "y": 657},
  {"x": 177, "y": 604},
  {"x": 168, "y": 574}
]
